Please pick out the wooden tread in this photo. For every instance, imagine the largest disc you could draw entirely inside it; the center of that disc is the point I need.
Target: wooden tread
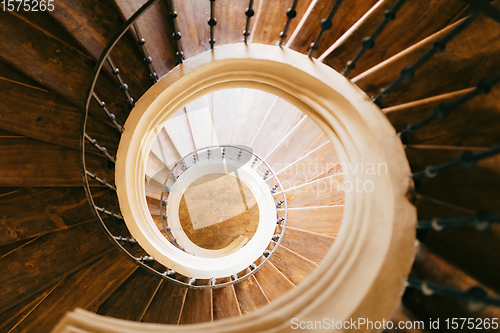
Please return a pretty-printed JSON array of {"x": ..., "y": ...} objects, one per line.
[
  {"x": 324, "y": 220},
  {"x": 308, "y": 244},
  {"x": 294, "y": 266},
  {"x": 166, "y": 306}
]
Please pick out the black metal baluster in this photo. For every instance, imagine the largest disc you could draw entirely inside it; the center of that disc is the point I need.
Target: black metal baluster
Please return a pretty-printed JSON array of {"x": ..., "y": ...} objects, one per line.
[
  {"x": 111, "y": 116},
  {"x": 109, "y": 213},
  {"x": 291, "y": 13},
  {"x": 481, "y": 221},
  {"x": 147, "y": 59},
  {"x": 438, "y": 46},
  {"x": 123, "y": 85},
  {"x": 475, "y": 296},
  {"x": 176, "y": 35},
  {"x": 102, "y": 149},
  {"x": 212, "y": 22},
  {"x": 102, "y": 182},
  {"x": 326, "y": 24},
  {"x": 443, "y": 110},
  {"x": 467, "y": 160},
  {"x": 249, "y": 13},
  {"x": 369, "y": 42}
]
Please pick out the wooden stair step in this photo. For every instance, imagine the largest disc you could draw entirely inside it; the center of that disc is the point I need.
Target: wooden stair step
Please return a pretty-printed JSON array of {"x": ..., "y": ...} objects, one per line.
[
  {"x": 250, "y": 295},
  {"x": 346, "y": 15},
  {"x": 225, "y": 113},
  {"x": 294, "y": 266},
  {"x": 280, "y": 120},
  {"x": 324, "y": 220},
  {"x": 11, "y": 247},
  {"x": 31, "y": 212},
  {"x": 87, "y": 288},
  {"x": 12, "y": 317},
  {"x": 231, "y": 19},
  {"x": 28, "y": 162},
  {"x": 476, "y": 43},
  {"x": 131, "y": 300},
  {"x": 270, "y": 11},
  {"x": 164, "y": 149},
  {"x": 197, "y": 307},
  {"x": 47, "y": 259},
  {"x": 177, "y": 128},
  {"x": 253, "y": 109},
  {"x": 472, "y": 124},
  {"x": 12, "y": 75},
  {"x": 303, "y": 138},
  {"x": 156, "y": 173},
  {"x": 192, "y": 24},
  {"x": 156, "y": 28},
  {"x": 199, "y": 115},
  {"x": 398, "y": 35},
  {"x": 321, "y": 192},
  {"x": 166, "y": 306},
  {"x": 308, "y": 244},
  {"x": 314, "y": 165},
  {"x": 225, "y": 302},
  {"x": 474, "y": 188},
  {"x": 272, "y": 282}
]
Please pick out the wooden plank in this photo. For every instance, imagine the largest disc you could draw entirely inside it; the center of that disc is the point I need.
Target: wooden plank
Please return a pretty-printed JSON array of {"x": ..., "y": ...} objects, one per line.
[
  {"x": 48, "y": 259},
  {"x": 199, "y": 117},
  {"x": 164, "y": 149},
  {"x": 250, "y": 295},
  {"x": 28, "y": 162},
  {"x": 157, "y": 29},
  {"x": 15, "y": 315},
  {"x": 428, "y": 208},
  {"x": 305, "y": 137},
  {"x": 321, "y": 192},
  {"x": 197, "y": 307},
  {"x": 178, "y": 130},
  {"x": 322, "y": 220},
  {"x": 192, "y": 24},
  {"x": 32, "y": 212},
  {"x": 10, "y": 74},
  {"x": 230, "y": 16},
  {"x": 316, "y": 163},
  {"x": 280, "y": 120},
  {"x": 82, "y": 290},
  {"x": 472, "y": 124},
  {"x": 433, "y": 15},
  {"x": 478, "y": 42},
  {"x": 167, "y": 304},
  {"x": 294, "y": 266},
  {"x": 225, "y": 303},
  {"x": 475, "y": 188},
  {"x": 347, "y": 14},
  {"x": 131, "y": 300},
  {"x": 273, "y": 282},
  {"x": 43, "y": 115},
  {"x": 225, "y": 113},
  {"x": 10, "y": 247},
  {"x": 308, "y": 244},
  {"x": 254, "y": 107}
]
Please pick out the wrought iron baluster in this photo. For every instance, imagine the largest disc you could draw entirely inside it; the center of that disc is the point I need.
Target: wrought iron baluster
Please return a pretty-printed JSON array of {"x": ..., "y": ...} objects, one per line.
[
  {"x": 438, "y": 46},
  {"x": 326, "y": 24},
  {"x": 443, "y": 110},
  {"x": 249, "y": 13},
  {"x": 123, "y": 85},
  {"x": 109, "y": 213},
  {"x": 111, "y": 116},
  {"x": 212, "y": 22},
  {"x": 369, "y": 42},
  {"x": 481, "y": 221},
  {"x": 467, "y": 160},
  {"x": 102, "y": 149},
  {"x": 101, "y": 181},
  {"x": 475, "y": 296},
  {"x": 291, "y": 13},
  {"x": 147, "y": 59},
  {"x": 125, "y": 239},
  {"x": 176, "y": 34}
]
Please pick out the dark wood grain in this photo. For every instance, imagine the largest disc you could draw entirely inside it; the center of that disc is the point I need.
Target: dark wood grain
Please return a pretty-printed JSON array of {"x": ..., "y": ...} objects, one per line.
[
  {"x": 310, "y": 245},
  {"x": 347, "y": 14},
  {"x": 433, "y": 15},
  {"x": 48, "y": 259},
  {"x": 475, "y": 188},
  {"x": 472, "y": 124},
  {"x": 250, "y": 295},
  {"x": 272, "y": 281},
  {"x": 295, "y": 267},
  {"x": 32, "y": 163},
  {"x": 167, "y": 304},
  {"x": 478, "y": 42},
  {"x": 87, "y": 288},
  {"x": 197, "y": 307},
  {"x": 225, "y": 303}
]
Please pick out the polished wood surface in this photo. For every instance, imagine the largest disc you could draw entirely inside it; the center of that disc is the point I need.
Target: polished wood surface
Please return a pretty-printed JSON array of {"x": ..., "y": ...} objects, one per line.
[
  {"x": 321, "y": 192},
  {"x": 308, "y": 244},
  {"x": 322, "y": 220},
  {"x": 272, "y": 282},
  {"x": 250, "y": 295},
  {"x": 225, "y": 303},
  {"x": 295, "y": 267},
  {"x": 166, "y": 306},
  {"x": 197, "y": 307}
]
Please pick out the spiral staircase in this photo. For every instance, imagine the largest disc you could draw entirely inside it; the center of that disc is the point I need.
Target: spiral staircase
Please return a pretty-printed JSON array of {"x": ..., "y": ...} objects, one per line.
[{"x": 431, "y": 67}]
